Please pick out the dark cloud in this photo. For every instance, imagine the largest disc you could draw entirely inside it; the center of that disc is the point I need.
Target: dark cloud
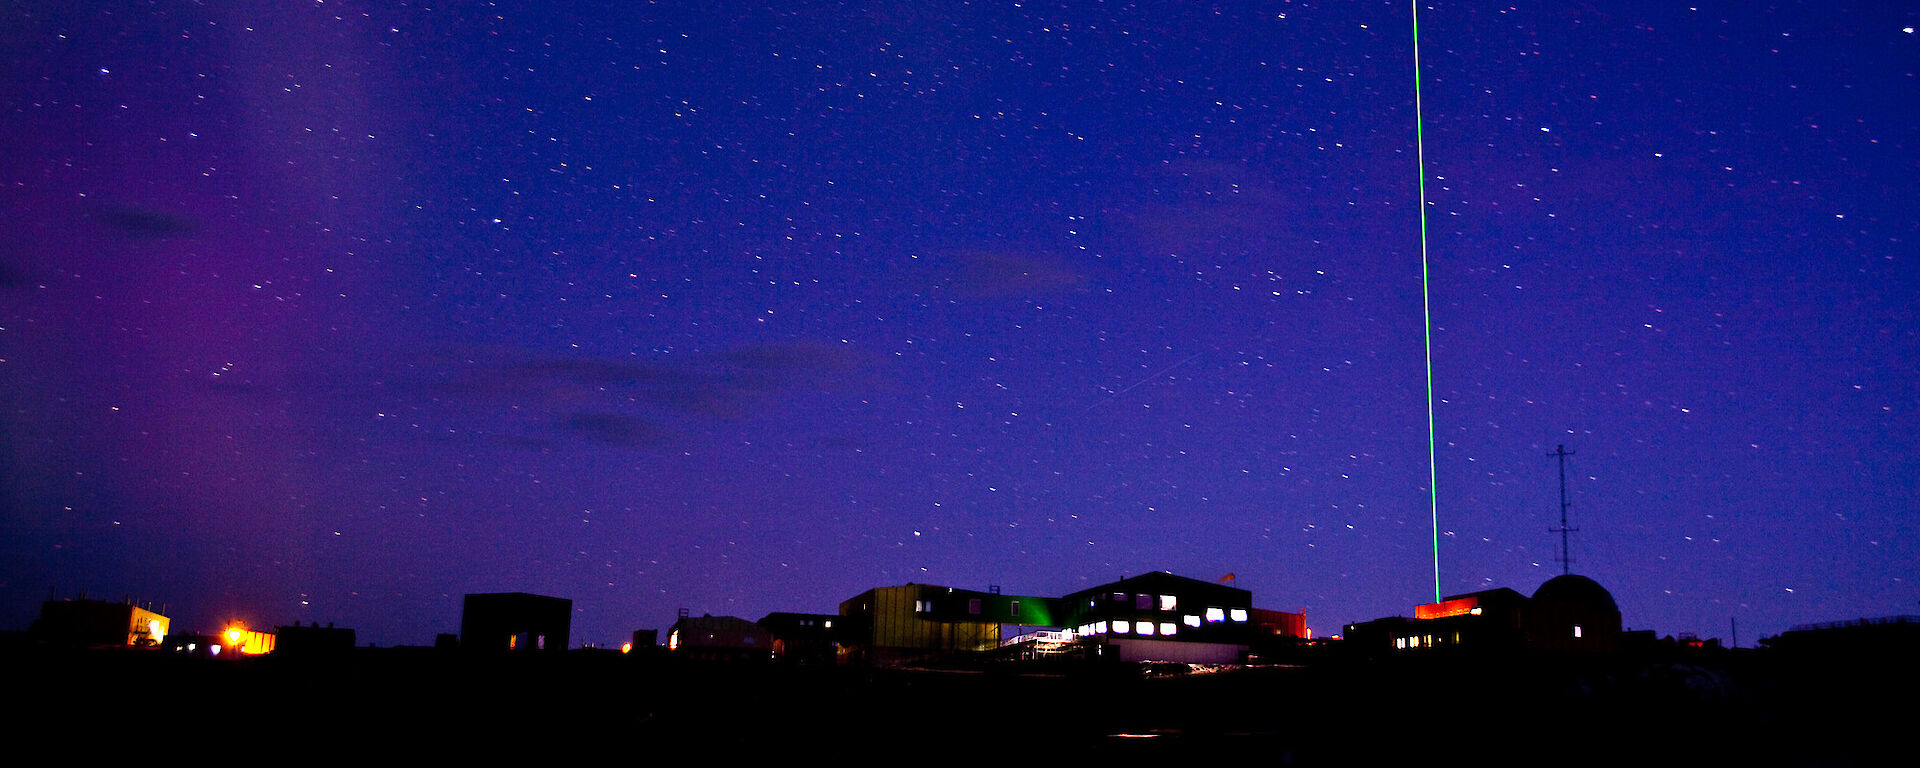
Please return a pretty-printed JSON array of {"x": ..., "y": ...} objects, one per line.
[
  {"x": 141, "y": 223},
  {"x": 793, "y": 356},
  {"x": 510, "y": 373},
  {"x": 615, "y": 373},
  {"x": 987, "y": 275},
  {"x": 616, "y": 429},
  {"x": 597, "y": 395}
]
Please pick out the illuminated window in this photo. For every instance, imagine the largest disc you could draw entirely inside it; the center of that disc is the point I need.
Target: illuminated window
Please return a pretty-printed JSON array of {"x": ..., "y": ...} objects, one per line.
[
  {"x": 1167, "y": 627},
  {"x": 1014, "y": 609},
  {"x": 923, "y": 606},
  {"x": 1099, "y": 627},
  {"x": 1192, "y": 620},
  {"x": 829, "y": 624},
  {"x": 1169, "y": 603},
  {"x": 1121, "y": 627},
  {"x": 1576, "y": 630},
  {"x": 1400, "y": 642},
  {"x": 1216, "y": 614},
  {"x": 1238, "y": 614},
  {"x": 1143, "y": 627}
]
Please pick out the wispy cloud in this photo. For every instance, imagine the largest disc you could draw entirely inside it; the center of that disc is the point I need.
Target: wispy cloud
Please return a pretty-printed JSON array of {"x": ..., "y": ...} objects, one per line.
[{"x": 633, "y": 403}]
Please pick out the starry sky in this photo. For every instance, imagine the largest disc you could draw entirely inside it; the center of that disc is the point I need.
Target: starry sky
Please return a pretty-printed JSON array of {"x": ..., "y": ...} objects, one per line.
[{"x": 336, "y": 311}]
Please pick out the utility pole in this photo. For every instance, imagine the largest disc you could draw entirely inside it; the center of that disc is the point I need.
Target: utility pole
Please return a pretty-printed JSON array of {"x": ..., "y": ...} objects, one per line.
[{"x": 1560, "y": 452}]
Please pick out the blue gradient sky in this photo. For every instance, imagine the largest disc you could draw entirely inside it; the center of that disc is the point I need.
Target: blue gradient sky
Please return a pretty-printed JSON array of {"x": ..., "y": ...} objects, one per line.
[{"x": 337, "y": 311}]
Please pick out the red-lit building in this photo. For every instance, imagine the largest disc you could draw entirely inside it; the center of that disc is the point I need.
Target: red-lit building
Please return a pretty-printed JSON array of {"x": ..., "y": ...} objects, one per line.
[{"x": 1285, "y": 624}]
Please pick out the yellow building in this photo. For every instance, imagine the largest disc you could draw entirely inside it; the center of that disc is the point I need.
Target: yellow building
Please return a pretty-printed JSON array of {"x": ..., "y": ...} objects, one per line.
[{"x": 898, "y": 625}]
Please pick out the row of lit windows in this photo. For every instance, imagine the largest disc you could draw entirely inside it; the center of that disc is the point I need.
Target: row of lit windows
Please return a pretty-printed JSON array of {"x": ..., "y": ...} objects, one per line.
[
  {"x": 1140, "y": 602},
  {"x": 1145, "y": 628},
  {"x": 1124, "y": 627}
]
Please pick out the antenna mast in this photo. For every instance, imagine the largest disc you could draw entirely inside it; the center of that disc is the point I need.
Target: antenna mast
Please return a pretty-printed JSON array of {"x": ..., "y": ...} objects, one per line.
[{"x": 1560, "y": 452}]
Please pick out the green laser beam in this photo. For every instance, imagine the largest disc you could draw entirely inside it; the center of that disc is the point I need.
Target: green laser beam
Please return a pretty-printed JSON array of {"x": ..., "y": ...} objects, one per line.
[{"x": 1426, "y": 302}]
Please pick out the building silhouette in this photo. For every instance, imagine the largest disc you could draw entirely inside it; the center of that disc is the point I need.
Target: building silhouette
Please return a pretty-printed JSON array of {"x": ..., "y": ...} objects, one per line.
[
  {"x": 804, "y": 638},
  {"x": 98, "y": 623},
  {"x": 503, "y": 622},
  {"x": 1568, "y": 613},
  {"x": 1159, "y": 616},
  {"x": 304, "y": 641},
  {"x": 719, "y": 638},
  {"x": 1155, "y": 616}
]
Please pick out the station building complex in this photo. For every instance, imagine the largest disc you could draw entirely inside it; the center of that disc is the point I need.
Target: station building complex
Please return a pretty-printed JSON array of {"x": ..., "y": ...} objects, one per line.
[{"x": 1151, "y": 617}]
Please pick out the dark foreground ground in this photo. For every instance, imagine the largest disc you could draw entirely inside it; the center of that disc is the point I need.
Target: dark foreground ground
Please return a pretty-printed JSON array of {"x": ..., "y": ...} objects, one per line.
[{"x": 1750, "y": 708}]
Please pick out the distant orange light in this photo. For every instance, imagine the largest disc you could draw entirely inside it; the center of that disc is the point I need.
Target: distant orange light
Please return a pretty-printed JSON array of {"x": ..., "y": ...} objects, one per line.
[
  {"x": 247, "y": 641},
  {"x": 626, "y": 647}
]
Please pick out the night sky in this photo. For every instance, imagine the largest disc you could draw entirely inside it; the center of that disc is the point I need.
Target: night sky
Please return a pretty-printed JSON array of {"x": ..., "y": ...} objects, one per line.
[{"x": 336, "y": 311}]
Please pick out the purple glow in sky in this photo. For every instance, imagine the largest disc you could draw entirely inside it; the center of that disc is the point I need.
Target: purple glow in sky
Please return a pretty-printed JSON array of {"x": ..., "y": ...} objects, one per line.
[{"x": 336, "y": 311}]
